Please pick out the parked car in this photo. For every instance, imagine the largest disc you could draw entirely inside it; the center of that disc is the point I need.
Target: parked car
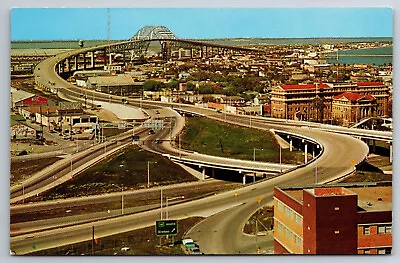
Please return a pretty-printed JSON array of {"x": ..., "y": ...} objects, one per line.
[
  {"x": 125, "y": 249},
  {"x": 195, "y": 251},
  {"x": 23, "y": 152}
]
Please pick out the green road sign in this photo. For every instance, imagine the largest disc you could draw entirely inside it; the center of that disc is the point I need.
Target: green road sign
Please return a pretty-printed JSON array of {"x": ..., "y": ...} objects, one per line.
[{"x": 166, "y": 227}]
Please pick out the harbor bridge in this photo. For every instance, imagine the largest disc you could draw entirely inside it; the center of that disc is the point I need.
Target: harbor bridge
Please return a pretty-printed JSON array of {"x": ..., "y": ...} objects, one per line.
[{"x": 171, "y": 48}]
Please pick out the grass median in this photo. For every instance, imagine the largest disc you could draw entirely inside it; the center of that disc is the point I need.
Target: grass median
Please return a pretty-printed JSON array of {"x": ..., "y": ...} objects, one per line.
[{"x": 216, "y": 138}]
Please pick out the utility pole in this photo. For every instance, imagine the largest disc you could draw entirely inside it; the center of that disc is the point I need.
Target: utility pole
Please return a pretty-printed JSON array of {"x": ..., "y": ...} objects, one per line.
[
  {"x": 92, "y": 240},
  {"x": 179, "y": 138},
  {"x": 280, "y": 158}
]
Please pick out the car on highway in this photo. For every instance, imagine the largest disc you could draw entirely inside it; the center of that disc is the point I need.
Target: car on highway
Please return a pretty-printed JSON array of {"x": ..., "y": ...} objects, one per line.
[
  {"x": 194, "y": 251},
  {"x": 151, "y": 132},
  {"x": 157, "y": 112},
  {"x": 188, "y": 243},
  {"x": 158, "y": 140}
]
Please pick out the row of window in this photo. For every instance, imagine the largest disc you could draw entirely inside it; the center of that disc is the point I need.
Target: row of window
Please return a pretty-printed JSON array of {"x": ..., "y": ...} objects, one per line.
[
  {"x": 382, "y": 229},
  {"x": 289, "y": 234},
  {"x": 380, "y": 251},
  {"x": 290, "y": 212}
]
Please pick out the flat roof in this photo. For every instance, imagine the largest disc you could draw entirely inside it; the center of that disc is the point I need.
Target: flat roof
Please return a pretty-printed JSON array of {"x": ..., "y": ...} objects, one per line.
[
  {"x": 378, "y": 198},
  {"x": 370, "y": 198}
]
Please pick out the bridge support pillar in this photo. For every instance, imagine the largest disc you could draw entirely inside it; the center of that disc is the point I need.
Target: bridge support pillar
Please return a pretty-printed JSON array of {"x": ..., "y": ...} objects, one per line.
[
  {"x": 92, "y": 59},
  {"x": 84, "y": 60},
  {"x": 254, "y": 177},
  {"x": 213, "y": 172},
  {"x": 191, "y": 53},
  {"x": 203, "y": 174},
  {"x": 390, "y": 153},
  {"x": 244, "y": 179},
  {"x": 67, "y": 65},
  {"x": 76, "y": 63},
  {"x": 291, "y": 145},
  {"x": 305, "y": 153}
]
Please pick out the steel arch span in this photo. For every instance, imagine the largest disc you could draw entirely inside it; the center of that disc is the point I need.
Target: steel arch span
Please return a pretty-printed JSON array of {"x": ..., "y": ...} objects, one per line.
[{"x": 154, "y": 32}]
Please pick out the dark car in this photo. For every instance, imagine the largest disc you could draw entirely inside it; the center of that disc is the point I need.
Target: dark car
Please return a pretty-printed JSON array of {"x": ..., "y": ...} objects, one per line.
[
  {"x": 152, "y": 132},
  {"x": 23, "y": 152}
]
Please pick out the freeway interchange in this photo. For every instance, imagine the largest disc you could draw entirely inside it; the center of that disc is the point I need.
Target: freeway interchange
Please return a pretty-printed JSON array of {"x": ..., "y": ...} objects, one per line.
[{"x": 230, "y": 210}]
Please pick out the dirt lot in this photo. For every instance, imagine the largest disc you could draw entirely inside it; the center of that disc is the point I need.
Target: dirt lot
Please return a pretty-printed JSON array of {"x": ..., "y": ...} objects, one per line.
[{"x": 22, "y": 169}]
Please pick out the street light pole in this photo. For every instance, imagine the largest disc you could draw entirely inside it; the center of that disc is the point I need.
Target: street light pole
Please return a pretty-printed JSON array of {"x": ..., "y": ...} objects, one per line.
[
  {"x": 23, "y": 193},
  {"x": 179, "y": 137},
  {"x": 170, "y": 199},
  {"x": 254, "y": 159},
  {"x": 122, "y": 196},
  {"x": 280, "y": 158}
]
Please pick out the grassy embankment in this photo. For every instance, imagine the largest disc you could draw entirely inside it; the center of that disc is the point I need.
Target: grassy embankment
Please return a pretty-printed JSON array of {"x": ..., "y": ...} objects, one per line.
[{"x": 214, "y": 138}]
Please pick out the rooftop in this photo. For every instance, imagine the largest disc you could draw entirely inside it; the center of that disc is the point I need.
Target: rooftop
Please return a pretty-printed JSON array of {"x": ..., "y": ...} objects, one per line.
[
  {"x": 111, "y": 80},
  {"x": 370, "y": 84},
  {"x": 354, "y": 96},
  {"x": 304, "y": 86},
  {"x": 18, "y": 95},
  {"x": 370, "y": 197}
]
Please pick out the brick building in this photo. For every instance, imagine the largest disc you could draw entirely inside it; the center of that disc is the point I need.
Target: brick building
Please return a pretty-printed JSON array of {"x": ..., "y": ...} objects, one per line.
[
  {"x": 297, "y": 102},
  {"x": 336, "y": 219},
  {"x": 349, "y": 108}
]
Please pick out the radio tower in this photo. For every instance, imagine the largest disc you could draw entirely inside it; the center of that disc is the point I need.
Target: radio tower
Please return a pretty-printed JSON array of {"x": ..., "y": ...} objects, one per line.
[{"x": 108, "y": 37}]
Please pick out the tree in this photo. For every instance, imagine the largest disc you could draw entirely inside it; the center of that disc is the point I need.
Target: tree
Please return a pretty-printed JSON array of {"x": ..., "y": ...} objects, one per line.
[
  {"x": 152, "y": 85},
  {"x": 319, "y": 104},
  {"x": 173, "y": 84}
]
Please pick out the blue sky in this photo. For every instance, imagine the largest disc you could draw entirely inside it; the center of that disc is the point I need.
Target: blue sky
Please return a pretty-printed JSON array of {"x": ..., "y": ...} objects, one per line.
[{"x": 91, "y": 23}]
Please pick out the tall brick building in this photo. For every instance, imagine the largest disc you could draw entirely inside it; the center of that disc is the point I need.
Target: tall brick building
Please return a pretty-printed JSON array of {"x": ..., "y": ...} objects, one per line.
[
  {"x": 297, "y": 102},
  {"x": 340, "y": 219}
]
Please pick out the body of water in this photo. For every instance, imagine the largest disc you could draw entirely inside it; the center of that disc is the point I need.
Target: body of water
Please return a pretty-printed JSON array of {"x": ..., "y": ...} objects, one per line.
[{"x": 373, "y": 56}]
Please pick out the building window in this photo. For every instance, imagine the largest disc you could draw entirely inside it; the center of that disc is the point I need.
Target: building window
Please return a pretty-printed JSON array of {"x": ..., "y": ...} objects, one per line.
[
  {"x": 280, "y": 227},
  {"x": 381, "y": 251},
  {"x": 288, "y": 212},
  {"x": 384, "y": 229},
  {"x": 298, "y": 219},
  {"x": 289, "y": 234},
  {"x": 366, "y": 230},
  {"x": 298, "y": 240},
  {"x": 280, "y": 205}
]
